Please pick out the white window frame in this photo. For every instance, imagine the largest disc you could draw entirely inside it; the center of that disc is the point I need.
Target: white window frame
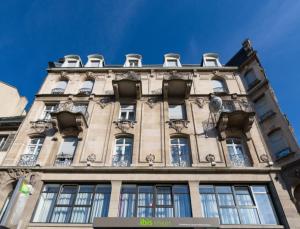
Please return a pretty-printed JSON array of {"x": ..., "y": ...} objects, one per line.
[
  {"x": 233, "y": 142},
  {"x": 95, "y": 61},
  {"x": 122, "y": 155},
  {"x": 3, "y": 139},
  {"x": 71, "y": 61},
  {"x": 173, "y": 109},
  {"x": 181, "y": 142},
  {"x": 46, "y": 112},
  {"x": 209, "y": 57},
  {"x": 36, "y": 146},
  {"x": 130, "y": 58},
  {"x": 127, "y": 109},
  {"x": 216, "y": 87},
  {"x": 65, "y": 142},
  {"x": 171, "y": 57}
]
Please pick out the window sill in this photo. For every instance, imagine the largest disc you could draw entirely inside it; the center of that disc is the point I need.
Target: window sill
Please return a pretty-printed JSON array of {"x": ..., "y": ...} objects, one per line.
[{"x": 252, "y": 226}]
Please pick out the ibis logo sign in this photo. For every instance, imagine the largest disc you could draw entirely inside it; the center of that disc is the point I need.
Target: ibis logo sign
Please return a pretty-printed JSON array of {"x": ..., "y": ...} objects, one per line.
[{"x": 147, "y": 222}]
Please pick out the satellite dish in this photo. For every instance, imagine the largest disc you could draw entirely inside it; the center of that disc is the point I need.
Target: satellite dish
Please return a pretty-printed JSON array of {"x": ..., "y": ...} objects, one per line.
[{"x": 215, "y": 104}]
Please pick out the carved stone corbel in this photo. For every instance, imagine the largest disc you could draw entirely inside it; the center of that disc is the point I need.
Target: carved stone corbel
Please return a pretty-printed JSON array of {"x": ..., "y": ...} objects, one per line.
[
  {"x": 103, "y": 102},
  {"x": 151, "y": 102},
  {"x": 124, "y": 125},
  {"x": 178, "y": 125},
  {"x": 200, "y": 102}
]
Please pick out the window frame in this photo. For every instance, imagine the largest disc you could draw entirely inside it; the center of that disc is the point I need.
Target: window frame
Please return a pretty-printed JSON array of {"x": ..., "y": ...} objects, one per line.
[
  {"x": 36, "y": 146},
  {"x": 246, "y": 156},
  {"x": 173, "y": 107},
  {"x": 154, "y": 206},
  {"x": 47, "y": 112},
  {"x": 123, "y": 154},
  {"x": 178, "y": 146},
  {"x": 3, "y": 140},
  {"x": 56, "y": 197},
  {"x": 127, "y": 112},
  {"x": 237, "y": 206},
  {"x": 222, "y": 89}
]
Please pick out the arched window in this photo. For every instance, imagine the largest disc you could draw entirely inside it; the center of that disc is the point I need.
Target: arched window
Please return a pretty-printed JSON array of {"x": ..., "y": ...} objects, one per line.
[
  {"x": 122, "y": 155},
  {"x": 180, "y": 152},
  {"x": 218, "y": 85},
  {"x": 277, "y": 144},
  {"x": 237, "y": 153},
  {"x": 87, "y": 87},
  {"x": 60, "y": 87}
]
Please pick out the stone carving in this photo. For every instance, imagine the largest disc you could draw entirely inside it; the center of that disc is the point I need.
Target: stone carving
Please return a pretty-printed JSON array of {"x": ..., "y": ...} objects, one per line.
[
  {"x": 210, "y": 158},
  {"x": 131, "y": 75},
  {"x": 124, "y": 125},
  {"x": 64, "y": 75},
  {"x": 200, "y": 102},
  {"x": 40, "y": 126},
  {"x": 157, "y": 91},
  {"x": 91, "y": 157},
  {"x": 103, "y": 102},
  {"x": 17, "y": 173},
  {"x": 151, "y": 102},
  {"x": 150, "y": 158},
  {"x": 178, "y": 124},
  {"x": 264, "y": 158}
]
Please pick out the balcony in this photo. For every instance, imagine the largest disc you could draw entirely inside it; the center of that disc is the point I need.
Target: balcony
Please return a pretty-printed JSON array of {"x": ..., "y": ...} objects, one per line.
[
  {"x": 177, "y": 85},
  {"x": 127, "y": 86},
  {"x": 235, "y": 114},
  {"x": 57, "y": 91},
  {"x": 27, "y": 160},
  {"x": 85, "y": 91},
  {"x": 63, "y": 160},
  {"x": 70, "y": 116}
]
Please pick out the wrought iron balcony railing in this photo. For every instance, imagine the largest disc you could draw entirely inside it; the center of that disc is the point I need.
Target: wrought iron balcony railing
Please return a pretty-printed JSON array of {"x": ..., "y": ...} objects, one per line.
[
  {"x": 85, "y": 91},
  {"x": 63, "y": 160},
  {"x": 121, "y": 161},
  {"x": 58, "y": 91},
  {"x": 219, "y": 89},
  {"x": 28, "y": 160},
  {"x": 180, "y": 161}
]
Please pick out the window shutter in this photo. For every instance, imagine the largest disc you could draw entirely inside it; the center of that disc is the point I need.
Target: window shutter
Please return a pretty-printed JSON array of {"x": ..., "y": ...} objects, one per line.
[
  {"x": 69, "y": 145},
  {"x": 8, "y": 142}
]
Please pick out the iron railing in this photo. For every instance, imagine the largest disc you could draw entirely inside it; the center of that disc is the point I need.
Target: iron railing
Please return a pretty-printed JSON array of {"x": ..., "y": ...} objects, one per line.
[
  {"x": 85, "y": 91},
  {"x": 63, "y": 160},
  {"x": 58, "y": 91},
  {"x": 121, "y": 161},
  {"x": 28, "y": 160}
]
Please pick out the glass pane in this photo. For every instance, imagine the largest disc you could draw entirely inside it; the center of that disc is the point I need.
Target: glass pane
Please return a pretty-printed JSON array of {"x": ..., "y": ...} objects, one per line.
[
  {"x": 226, "y": 200},
  {"x": 223, "y": 189},
  {"x": 163, "y": 196},
  {"x": 209, "y": 205},
  {"x": 206, "y": 189},
  {"x": 43, "y": 210},
  {"x": 51, "y": 188},
  {"x": 249, "y": 216},
  {"x": 243, "y": 196},
  {"x": 177, "y": 112},
  {"x": 229, "y": 216},
  {"x": 257, "y": 188},
  {"x": 80, "y": 215},
  {"x": 84, "y": 199},
  {"x": 144, "y": 212},
  {"x": 100, "y": 205},
  {"x": 61, "y": 215},
  {"x": 180, "y": 189},
  {"x": 127, "y": 205},
  {"x": 182, "y": 205},
  {"x": 266, "y": 212},
  {"x": 68, "y": 146},
  {"x": 163, "y": 212},
  {"x": 67, "y": 195},
  {"x": 145, "y": 199}
]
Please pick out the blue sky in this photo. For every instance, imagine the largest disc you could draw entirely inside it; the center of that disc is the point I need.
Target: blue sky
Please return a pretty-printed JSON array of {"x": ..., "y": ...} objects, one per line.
[{"x": 35, "y": 32}]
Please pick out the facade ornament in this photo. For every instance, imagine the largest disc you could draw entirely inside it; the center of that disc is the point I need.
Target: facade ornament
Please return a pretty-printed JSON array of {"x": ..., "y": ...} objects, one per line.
[
  {"x": 131, "y": 75},
  {"x": 211, "y": 159},
  {"x": 103, "y": 102},
  {"x": 200, "y": 102},
  {"x": 150, "y": 158},
  {"x": 90, "y": 75},
  {"x": 124, "y": 125},
  {"x": 266, "y": 159},
  {"x": 151, "y": 102},
  {"x": 178, "y": 124},
  {"x": 67, "y": 106},
  {"x": 40, "y": 126},
  {"x": 17, "y": 173},
  {"x": 91, "y": 157},
  {"x": 64, "y": 75}
]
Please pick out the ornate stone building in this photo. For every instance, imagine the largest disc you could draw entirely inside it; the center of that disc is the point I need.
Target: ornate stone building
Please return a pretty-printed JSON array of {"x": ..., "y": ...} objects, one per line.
[{"x": 171, "y": 145}]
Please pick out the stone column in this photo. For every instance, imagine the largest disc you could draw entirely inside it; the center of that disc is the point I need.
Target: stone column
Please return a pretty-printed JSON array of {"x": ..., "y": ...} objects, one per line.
[
  {"x": 195, "y": 198},
  {"x": 114, "y": 198}
]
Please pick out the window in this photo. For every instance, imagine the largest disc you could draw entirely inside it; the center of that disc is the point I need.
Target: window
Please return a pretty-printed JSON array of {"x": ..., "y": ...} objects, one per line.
[
  {"x": 211, "y": 63},
  {"x": 180, "y": 152},
  {"x": 49, "y": 108},
  {"x": 94, "y": 63},
  {"x": 177, "y": 112},
  {"x": 67, "y": 151},
  {"x": 87, "y": 87},
  {"x": 72, "y": 63},
  {"x": 127, "y": 112},
  {"x": 69, "y": 203},
  {"x": 262, "y": 108},
  {"x": 155, "y": 201},
  {"x": 32, "y": 152},
  {"x": 278, "y": 144},
  {"x": 133, "y": 63},
  {"x": 3, "y": 139},
  {"x": 4, "y": 207},
  {"x": 60, "y": 87},
  {"x": 123, "y": 152},
  {"x": 172, "y": 63},
  {"x": 218, "y": 86},
  {"x": 250, "y": 79},
  {"x": 238, "y": 204},
  {"x": 80, "y": 107},
  {"x": 237, "y": 153}
]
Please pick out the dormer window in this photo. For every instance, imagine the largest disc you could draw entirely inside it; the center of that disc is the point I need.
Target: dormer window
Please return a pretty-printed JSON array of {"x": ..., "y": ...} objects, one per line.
[
  {"x": 211, "y": 60},
  {"x": 172, "y": 60},
  {"x": 95, "y": 61},
  {"x": 133, "y": 61},
  {"x": 72, "y": 61}
]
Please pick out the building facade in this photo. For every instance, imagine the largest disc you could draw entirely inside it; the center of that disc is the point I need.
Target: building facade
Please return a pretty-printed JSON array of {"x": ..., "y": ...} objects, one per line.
[{"x": 171, "y": 145}]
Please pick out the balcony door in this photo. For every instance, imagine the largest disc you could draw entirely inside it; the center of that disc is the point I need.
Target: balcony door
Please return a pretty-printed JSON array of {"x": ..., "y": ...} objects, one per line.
[{"x": 67, "y": 151}]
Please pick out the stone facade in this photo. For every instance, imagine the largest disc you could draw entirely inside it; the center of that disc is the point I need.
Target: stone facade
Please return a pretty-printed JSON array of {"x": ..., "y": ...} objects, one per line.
[{"x": 94, "y": 118}]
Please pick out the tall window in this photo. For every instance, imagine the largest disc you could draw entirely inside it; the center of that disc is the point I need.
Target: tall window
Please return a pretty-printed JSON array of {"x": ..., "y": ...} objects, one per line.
[
  {"x": 180, "y": 152},
  {"x": 68, "y": 203},
  {"x": 250, "y": 78},
  {"x": 277, "y": 144},
  {"x": 238, "y": 204},
  {"x": 177, "y": 112},
  {"x": 32, "y": 152},
  {"x": 127, "y": 112},
  {"x": 87, "y": 87},
  {"x": 123, "y": 152},
  {"x": 155, "y": 201},
  {"x": 60, "y": 87},
  {"x": 237, "y": 153},
  {"x": 218, "y": 86},
  {"x": 67, "y": 151},
  {"x": 4, "y": 207},
  {"x": 3, "y": 139},
  {"x": 49, "y": 108}
]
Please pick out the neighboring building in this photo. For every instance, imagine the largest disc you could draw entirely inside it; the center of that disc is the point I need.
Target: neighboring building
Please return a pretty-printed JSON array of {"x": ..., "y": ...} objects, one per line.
[{"x": 133, "y": 145}]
